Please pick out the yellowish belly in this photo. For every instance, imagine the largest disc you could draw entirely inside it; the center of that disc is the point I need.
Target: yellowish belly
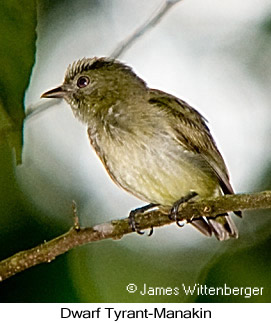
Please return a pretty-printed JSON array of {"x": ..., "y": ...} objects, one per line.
[{"x": 162, "y": 178}]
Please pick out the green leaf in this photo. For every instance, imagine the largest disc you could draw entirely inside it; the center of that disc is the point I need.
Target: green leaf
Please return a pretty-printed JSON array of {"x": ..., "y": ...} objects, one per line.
[{"x": 17, "y": 50}]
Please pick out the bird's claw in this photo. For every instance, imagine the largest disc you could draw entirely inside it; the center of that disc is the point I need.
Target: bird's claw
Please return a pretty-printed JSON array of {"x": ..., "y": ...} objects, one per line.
[
  {"x": 132, "y": 221},
  {"x": 173, "y": 214}
]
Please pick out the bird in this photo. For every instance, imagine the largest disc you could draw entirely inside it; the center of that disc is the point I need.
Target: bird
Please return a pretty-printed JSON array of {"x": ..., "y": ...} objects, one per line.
[{"x": 151, "y": 143}]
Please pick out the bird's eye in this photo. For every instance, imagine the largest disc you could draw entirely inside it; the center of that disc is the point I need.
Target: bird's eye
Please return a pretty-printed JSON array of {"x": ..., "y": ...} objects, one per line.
[{"x": 83, "y": 81}]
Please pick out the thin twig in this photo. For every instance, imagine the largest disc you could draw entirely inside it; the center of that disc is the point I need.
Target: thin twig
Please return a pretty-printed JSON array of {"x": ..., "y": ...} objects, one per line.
[
  {"x": 76, "y": 236},
  {"x": 156, "y": 16},
  {"x": 39, "y": 107}
]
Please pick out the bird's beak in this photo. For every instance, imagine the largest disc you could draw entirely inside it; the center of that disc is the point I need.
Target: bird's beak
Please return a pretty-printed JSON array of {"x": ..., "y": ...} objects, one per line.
[{"x": 58, "y": 92}]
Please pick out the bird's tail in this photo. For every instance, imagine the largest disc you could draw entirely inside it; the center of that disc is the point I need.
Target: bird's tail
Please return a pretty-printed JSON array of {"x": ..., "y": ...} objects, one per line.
[{"x": 222, "y": 226}]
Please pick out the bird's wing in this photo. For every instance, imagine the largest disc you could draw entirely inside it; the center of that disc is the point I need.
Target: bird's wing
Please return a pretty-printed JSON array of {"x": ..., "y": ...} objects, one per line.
[{"x": 193, "y": 133}]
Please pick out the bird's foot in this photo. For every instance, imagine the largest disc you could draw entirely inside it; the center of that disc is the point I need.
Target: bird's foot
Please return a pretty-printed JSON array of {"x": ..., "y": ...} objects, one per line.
[
  {"x": 173, "y": 214},
  {"x": 134, "y": 212}
]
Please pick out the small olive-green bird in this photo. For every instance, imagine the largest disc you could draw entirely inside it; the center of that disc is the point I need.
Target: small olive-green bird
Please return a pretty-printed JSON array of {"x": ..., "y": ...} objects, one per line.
[{"x": 152, "y": 144}]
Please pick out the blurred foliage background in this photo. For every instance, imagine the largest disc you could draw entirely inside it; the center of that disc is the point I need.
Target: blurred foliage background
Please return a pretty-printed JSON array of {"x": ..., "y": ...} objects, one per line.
[{"x": 215, "y": 56}]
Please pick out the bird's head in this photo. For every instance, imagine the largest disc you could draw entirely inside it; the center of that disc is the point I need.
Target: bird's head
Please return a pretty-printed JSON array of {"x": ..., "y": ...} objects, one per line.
[{"x": 92, "y": 85}]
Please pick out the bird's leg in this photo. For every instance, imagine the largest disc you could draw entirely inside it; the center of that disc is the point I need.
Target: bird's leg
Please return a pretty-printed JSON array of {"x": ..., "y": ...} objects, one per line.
[
  {"x": 174, "y": 210},
  {"x": 134, "y": 212}
]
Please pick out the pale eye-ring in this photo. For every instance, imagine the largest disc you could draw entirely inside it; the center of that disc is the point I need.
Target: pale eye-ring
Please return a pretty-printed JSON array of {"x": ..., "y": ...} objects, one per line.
[{"x": 83, "y": 81}]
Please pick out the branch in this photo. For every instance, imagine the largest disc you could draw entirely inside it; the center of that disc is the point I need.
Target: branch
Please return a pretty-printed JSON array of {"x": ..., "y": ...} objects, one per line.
[
  {"x": 156, "y": 16},
  {"x": 116, "y": 229}
]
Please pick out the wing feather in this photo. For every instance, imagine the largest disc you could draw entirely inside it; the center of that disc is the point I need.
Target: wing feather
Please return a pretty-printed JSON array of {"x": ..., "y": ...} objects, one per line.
[{"x": 193, "y": 134}]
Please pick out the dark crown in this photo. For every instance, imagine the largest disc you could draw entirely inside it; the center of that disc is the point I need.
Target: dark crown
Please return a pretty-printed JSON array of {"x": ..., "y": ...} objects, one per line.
[{"x": 87, "y": 64}]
